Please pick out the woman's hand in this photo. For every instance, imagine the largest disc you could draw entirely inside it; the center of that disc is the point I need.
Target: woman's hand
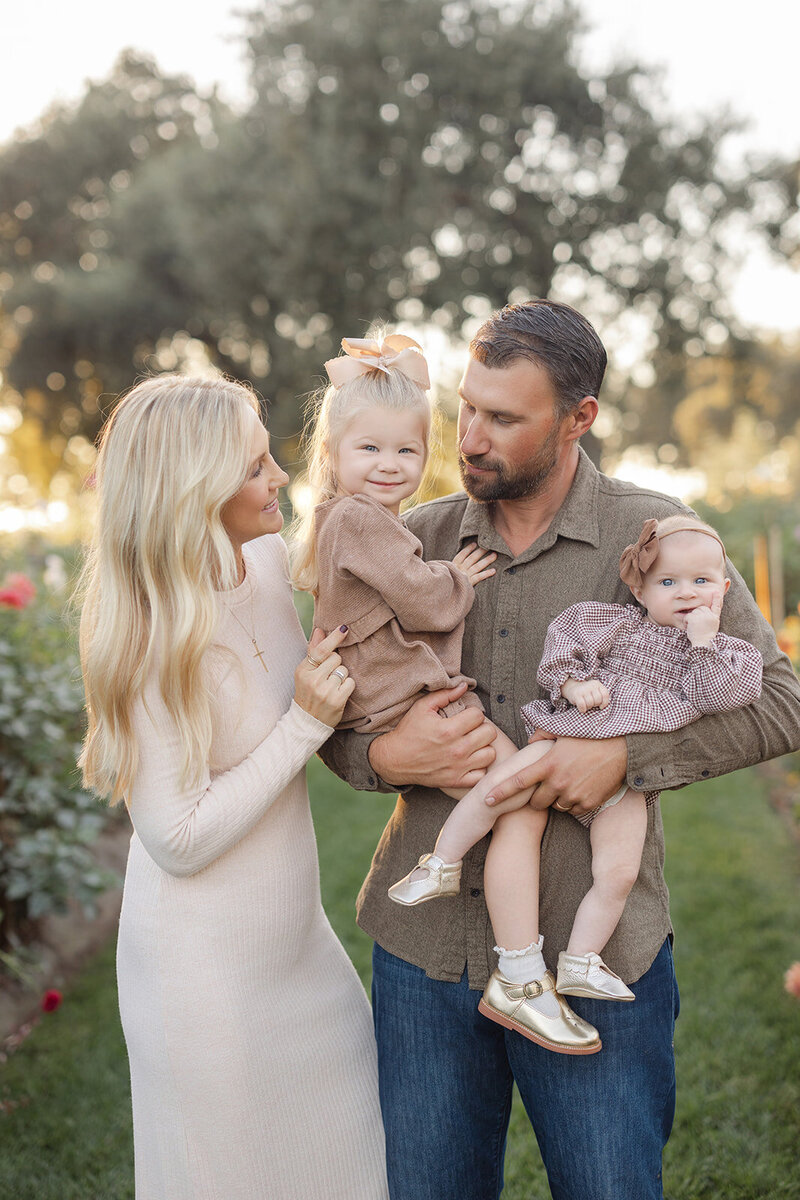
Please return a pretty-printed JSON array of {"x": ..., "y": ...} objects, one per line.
[
  {"x": 474, "y": 562},
  {"x": 321, "y": 684}
]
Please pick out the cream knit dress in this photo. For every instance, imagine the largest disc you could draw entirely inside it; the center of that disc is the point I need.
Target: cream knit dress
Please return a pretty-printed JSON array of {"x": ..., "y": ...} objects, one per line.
[{"x": 252, "y": 1057}]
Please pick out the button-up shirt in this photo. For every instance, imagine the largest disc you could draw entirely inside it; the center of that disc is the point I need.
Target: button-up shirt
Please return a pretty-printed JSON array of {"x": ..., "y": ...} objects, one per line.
[{"x": 575, "y": 559}]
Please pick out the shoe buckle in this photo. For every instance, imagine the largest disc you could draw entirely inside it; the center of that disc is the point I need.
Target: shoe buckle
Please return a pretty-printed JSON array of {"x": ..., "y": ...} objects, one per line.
[{"x": 532, "y": 990}]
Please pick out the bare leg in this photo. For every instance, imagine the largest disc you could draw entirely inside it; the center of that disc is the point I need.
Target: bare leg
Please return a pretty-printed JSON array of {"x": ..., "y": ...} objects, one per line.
[
  {"x": 439, "y": 873},
  {"x": 617, "y": 837},
  {"x": 472, "y": 818},
  {"x": 511, "y": 876}
]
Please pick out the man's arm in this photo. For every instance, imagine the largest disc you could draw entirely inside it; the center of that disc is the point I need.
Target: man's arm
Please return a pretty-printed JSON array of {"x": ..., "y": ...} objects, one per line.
[{"x": 424, "y": 749}]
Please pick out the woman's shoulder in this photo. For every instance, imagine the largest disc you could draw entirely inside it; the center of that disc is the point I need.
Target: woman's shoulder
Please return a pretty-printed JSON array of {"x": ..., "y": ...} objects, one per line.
[{"x": 267, "y": 555}]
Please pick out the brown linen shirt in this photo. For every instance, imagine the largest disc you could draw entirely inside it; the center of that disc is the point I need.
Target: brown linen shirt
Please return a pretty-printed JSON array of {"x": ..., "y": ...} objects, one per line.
[{"x": 576, "y": 559}]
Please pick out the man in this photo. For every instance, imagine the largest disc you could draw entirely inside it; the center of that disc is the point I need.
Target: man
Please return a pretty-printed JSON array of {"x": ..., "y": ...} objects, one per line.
[{"x": 558, "y": 528}]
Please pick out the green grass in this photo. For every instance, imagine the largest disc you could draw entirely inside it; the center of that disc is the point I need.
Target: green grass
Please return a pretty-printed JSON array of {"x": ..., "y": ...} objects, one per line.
[{"x": 735, "y": 883}]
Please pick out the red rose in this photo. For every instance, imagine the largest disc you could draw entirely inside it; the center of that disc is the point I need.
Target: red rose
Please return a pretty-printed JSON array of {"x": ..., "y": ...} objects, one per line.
[
  {"x": 51, "y": 1000},
  {"x": 17, "y": 591}
]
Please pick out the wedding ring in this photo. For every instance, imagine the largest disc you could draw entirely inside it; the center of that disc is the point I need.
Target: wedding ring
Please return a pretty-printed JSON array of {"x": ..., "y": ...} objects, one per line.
[
  {"x": 313, "y": 661},
  {"x": 559, "y": 807},
  {"x": 340, "y": 673}
]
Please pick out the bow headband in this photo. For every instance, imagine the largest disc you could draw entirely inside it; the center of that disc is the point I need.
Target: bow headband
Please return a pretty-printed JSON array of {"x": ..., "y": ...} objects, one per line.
[
  {"x": 638, "y": 558},
  {"x": 397, "y": 353}
]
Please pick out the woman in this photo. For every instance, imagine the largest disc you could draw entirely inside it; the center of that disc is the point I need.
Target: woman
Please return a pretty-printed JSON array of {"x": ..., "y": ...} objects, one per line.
[{"x": 249, "y": 1035}]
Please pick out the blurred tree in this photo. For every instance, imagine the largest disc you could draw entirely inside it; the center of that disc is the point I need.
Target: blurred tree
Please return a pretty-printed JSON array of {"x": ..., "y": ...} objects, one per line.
[
  {"x": 413, "y": 161},
  {"x": 78, "y": 313}
]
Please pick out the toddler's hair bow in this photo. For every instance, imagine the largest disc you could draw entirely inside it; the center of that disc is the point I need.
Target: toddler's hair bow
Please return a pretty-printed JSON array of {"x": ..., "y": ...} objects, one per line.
[{"x": 396, "y": 353}]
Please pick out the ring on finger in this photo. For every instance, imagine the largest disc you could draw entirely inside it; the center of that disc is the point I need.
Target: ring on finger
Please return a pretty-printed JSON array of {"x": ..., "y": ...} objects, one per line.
[
  {"x": 313, "y": 661},
  {"x": 560, "y": 807},
  {"x": 340, "y": 673}
]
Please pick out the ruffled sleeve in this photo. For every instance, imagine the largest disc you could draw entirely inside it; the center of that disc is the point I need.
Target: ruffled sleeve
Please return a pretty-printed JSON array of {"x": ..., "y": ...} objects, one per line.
[
  {"x": 576, "y": 641},
  {"x": 724, "y": 675}
]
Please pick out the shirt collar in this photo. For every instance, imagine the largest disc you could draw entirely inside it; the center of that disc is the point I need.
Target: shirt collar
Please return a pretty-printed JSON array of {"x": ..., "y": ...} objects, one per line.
[{"x": 577, "y": 518}]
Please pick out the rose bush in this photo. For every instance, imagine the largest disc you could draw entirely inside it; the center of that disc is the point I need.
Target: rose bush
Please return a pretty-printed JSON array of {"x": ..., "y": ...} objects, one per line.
[{"x": 47, "y": 821}]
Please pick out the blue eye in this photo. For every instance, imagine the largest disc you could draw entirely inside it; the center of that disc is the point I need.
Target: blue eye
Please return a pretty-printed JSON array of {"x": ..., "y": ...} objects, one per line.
[
  {"x": 666, "y": 582},
  {"x": 701, "y": 579}
]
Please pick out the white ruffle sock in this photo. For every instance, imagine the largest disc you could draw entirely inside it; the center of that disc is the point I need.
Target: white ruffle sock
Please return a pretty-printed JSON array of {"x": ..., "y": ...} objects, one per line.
[{"x": 526, "y": 966}]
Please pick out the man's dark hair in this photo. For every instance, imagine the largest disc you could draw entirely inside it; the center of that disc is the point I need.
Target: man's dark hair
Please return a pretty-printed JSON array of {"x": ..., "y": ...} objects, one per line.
[{"x": 552, "y": 335}]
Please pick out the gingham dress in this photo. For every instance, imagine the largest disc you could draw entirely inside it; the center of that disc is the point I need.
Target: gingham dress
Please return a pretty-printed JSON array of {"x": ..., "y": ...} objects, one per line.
[{"x": 658, "y": 681}]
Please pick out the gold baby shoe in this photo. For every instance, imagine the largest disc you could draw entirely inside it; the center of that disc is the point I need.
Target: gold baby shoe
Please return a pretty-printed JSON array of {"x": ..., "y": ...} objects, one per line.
[
  {"x": 507, "y": 1004},
  {"x": 588, "y": 975},
  {"x": 442, "y": 879}
]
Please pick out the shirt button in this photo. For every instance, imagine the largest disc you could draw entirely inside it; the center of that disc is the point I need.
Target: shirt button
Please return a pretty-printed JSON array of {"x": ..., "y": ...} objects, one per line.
[
  {"x": 705, "y": 774},
  {"x": 512, "y": 570},
  {"x": 474, "y": 891},
  {"x": 501, "y": 699},
  {"x": 371, "y": 780},
  {"x": 503, "y": 633},
  {"x": 639, "y": 781}
]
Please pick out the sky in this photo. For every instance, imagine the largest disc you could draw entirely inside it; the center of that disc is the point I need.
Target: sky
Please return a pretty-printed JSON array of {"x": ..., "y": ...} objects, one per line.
[{"x": 714, "y": 54}]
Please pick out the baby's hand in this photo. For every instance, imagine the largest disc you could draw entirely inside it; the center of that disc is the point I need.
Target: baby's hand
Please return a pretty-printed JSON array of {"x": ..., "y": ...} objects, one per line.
[
  {"x": 586, "y": 694},
  {"x": 703, "y": 623},
  {"x": 474, "y": 562}
]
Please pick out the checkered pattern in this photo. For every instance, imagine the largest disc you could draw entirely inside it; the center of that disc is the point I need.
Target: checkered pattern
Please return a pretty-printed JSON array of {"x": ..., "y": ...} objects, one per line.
[{"x": 658, "y": 681}]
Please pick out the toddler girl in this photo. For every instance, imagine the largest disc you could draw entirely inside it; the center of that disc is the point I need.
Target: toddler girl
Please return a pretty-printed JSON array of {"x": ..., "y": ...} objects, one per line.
[
  {"x": 405, "y": 617},
  {"x": 610, "y": 670}
]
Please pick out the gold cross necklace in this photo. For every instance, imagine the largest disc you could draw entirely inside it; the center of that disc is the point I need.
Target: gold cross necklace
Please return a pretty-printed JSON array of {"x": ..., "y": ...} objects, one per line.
[{"x": 259, "y": 654}]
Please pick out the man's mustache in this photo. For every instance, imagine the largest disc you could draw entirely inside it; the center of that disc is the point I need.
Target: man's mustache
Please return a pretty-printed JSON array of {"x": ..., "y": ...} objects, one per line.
[{"x": 475, "y": 460}]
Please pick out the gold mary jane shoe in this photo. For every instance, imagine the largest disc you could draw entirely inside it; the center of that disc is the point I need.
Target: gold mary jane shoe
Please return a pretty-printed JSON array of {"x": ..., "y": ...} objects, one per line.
[
  {"x": 506, "y": 1003},
  {"x": 587, "y": 975},
  {"x": 442, "y": 879}
]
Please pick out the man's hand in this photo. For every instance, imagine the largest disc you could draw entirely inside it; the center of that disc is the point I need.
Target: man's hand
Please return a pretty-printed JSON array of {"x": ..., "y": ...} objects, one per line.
[
  {"x": 431, "y": 751},
  {"x": 585, "y": 694},
  {"x": 702, "y": 625},
  {"x": 577, "y": 774}
]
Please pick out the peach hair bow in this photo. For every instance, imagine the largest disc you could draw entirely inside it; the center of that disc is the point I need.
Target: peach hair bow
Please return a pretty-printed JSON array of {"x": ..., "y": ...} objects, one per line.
[{"x": 396, "y": 353}]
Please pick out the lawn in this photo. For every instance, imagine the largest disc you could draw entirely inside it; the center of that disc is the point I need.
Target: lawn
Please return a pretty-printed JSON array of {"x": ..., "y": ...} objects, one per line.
[{"x": 735, "y": 884}]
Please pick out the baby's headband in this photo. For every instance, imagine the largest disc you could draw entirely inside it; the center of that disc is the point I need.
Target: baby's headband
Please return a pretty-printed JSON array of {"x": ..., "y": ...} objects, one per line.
[
  {"x": 637, "y": 559},
  {"x": 397, "y": 353}
]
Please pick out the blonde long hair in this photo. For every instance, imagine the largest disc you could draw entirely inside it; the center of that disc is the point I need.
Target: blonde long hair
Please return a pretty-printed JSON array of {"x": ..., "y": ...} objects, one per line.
[
  {"x": 173, "y": 452},
  {"x": 331, "y": 411}
]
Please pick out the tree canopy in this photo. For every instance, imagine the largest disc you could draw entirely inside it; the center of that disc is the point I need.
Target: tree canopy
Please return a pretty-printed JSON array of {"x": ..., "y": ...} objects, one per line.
[{"x": 413, "y": 161}]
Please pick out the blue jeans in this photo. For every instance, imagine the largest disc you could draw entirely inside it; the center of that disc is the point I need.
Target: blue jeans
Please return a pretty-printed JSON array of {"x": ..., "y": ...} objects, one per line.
[{"x": 446, "y": 1075}]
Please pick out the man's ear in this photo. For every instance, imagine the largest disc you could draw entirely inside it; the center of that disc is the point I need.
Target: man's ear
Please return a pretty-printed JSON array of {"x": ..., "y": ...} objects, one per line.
[{"x": 582, "y": 418}]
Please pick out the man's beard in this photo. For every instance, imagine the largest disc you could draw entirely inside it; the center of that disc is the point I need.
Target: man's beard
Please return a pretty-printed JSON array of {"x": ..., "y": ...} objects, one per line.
[{"x": 505, "y": 484}]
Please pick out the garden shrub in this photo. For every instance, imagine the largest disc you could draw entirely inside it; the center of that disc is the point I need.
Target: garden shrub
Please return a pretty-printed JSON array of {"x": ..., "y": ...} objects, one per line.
[{"x": 47, "y": 821}]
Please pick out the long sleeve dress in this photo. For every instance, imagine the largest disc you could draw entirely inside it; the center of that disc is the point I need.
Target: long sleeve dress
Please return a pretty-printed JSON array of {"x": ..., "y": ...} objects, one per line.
[
  {"x": 658, "y": 681},
  {"x": 249, "y": 1035},
  {"x": 405, "y": 616}
]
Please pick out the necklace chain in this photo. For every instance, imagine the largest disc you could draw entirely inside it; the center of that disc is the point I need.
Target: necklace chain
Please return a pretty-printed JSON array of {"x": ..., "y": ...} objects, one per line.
[{"x": 259, "y": 654}]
